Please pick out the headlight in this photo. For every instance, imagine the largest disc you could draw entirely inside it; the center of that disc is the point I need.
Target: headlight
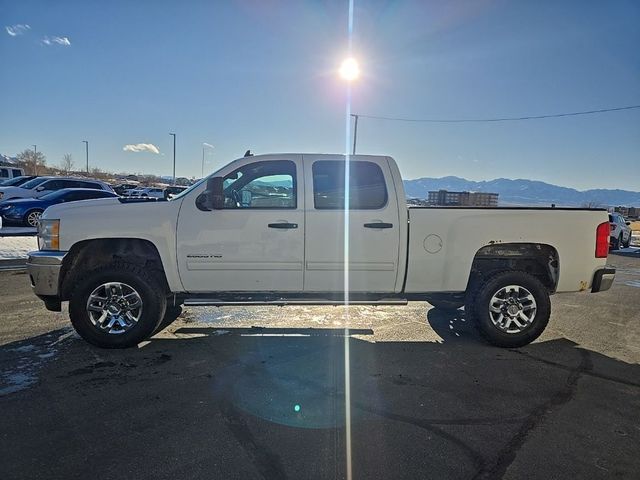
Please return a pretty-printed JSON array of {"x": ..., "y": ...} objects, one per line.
[{"x": 49, "y": 234}]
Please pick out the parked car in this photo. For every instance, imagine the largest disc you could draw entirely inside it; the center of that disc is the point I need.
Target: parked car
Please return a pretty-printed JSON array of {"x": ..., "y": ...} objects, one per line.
[
  {"x": 620, "y": 231},
  {"x": 10, "y": 172},
  {"x": 147, "y": 192},
  {"x": 122, "y": 188},
  {"x": 270, "y": 229},
  {"x": 27, "y": 211},
  {"x": 41, "y": 186},
  {"x": 17, "y": 181},
  {"x": 129, "y": 191},
  {"x": 173, "y": 190}
]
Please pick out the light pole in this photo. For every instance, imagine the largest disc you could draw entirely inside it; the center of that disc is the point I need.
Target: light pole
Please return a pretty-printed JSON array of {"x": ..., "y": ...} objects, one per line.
[
  {"x": 86, "y": 148},
  {"x": 35, "y": 159},
  {"x": 174, "y": 157},
  {"x": 204, "y": 144},
  {"x": 355, "y": 132}
]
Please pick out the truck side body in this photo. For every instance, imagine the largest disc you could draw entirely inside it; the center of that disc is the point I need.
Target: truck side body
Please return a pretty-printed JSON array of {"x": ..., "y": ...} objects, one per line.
[{"x": 281, "y": 235}]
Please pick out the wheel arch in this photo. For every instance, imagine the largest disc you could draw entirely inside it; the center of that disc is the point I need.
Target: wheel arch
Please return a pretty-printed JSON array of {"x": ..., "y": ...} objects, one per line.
[
  {"x": 538, "y": 259},
  {"x": 90, "y": 254}
]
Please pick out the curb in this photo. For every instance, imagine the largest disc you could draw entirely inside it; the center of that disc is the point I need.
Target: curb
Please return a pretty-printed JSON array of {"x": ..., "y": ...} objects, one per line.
[
  {"x": 17, "y": 234},
  {"x": 13, "y": 264}
]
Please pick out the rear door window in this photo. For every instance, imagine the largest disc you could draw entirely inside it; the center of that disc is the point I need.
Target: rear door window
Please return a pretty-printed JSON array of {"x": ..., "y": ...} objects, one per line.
[{"x": 367, "y": 188}]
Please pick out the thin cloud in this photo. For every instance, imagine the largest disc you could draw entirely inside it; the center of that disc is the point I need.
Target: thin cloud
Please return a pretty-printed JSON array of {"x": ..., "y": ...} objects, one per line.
[
  {"x": 141, "y": 147},
  {"x": 18, "y": 29},
  {"x": 64, "y": 41}
]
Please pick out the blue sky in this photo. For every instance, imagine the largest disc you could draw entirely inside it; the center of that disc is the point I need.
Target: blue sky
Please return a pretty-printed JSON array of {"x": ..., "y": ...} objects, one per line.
[{"x": 261, "y": 74}]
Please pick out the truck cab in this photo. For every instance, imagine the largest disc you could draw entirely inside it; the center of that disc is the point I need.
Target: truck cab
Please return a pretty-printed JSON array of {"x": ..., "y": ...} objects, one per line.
[{"x": 282, "y": 227}]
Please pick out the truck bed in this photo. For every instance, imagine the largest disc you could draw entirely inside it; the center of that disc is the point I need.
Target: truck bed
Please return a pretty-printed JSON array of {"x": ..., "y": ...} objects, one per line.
[{"x": 443, "y": 242}]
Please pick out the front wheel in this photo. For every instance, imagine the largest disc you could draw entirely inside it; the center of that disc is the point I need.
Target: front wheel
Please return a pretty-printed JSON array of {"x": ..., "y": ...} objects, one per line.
[
  {"x": 32, "y": 218},
  {"x": 117, "y": 306},
  {"x": 511, "y": 309}
]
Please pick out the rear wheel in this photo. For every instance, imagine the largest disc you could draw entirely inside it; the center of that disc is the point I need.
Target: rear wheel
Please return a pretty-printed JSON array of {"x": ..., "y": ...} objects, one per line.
[
  {"x": 617, "y": 243},
  {"x": 32, "y": 217},
  {"x": 117, "y": 306},
  {"x": 628, "y": 242},
  {"x": 511, "y": 309}
]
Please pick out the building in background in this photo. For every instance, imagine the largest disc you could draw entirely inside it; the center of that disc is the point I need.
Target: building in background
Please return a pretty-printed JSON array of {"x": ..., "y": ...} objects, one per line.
[
  {"x": 463, "y": 199},
  {"x": 628, "y": 212}
]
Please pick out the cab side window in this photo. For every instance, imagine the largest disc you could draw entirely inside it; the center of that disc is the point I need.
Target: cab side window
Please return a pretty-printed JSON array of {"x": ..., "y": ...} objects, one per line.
[
  {"x": 269, "y": 185},
  {"x": 367, "y": 188}
]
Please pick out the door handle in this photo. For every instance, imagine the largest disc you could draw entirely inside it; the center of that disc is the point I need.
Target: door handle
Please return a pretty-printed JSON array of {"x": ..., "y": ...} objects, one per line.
[
  {"x": 283, "y": 225},
  {"x": 378, "y": 225}
]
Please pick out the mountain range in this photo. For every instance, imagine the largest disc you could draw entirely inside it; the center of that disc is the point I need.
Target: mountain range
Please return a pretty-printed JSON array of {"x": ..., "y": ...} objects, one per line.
[{"x": 525, "y": 192}]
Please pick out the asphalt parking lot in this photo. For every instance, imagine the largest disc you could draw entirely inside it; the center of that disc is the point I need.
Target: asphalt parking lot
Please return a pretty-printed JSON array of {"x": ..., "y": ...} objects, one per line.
[{"x": 260, "y": 393}]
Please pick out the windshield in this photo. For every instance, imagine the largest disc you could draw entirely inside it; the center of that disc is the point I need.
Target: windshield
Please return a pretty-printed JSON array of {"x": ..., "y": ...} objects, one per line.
[
  {"x": 34, "y": 183},
  {"x": 12, "y": 182}
]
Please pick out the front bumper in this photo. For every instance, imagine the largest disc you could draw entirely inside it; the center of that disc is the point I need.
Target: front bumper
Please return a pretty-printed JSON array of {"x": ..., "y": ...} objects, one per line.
[
  {"x": 44, "y": 271},
  {"x": 603, "y": 279}
]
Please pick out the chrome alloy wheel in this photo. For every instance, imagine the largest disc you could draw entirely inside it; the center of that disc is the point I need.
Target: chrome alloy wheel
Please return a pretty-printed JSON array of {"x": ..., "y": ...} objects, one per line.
[
  {"x": 512, "y": 309},
  {"x": 114, "y": 307},
  {"x": 33, "y": 218}
]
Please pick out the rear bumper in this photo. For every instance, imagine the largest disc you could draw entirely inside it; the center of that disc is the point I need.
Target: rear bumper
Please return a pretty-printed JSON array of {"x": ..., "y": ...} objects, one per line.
[
  {"x": 44, "y": 272},
  {"x": 603, "y": 279}
]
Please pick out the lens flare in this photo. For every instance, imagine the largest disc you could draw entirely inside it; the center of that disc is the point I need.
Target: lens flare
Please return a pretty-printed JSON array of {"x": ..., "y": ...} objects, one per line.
[{"x": 350, "y": 70}]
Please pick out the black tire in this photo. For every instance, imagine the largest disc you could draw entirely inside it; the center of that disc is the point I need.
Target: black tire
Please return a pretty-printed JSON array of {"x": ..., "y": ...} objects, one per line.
[
  {"x": 627, "y": 243},
  {"x": 148, "y": 286},
  {"x": 617, "y": 243},
  {"x": 171, "y": 314},
  {"x": 26, "y": 220},
  {"x": 478, "y": 303},
  {"x": 445, "y": 302}
]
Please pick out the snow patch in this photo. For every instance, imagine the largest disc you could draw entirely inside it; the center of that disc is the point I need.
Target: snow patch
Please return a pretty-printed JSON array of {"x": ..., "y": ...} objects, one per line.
[
  {"x": 20, "y": 370},
  {"x": 17, "y": 247}
]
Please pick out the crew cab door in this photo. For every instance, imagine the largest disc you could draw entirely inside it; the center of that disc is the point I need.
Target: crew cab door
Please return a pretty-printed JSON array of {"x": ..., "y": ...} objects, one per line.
[
  {"x": 373, "y": 232},
  {"x": 256, "y": 243}
]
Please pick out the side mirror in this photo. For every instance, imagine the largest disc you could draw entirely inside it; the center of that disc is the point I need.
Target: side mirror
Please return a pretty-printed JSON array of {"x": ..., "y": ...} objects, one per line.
[
  {"x": 39, "y": 189},
  {"x": 627, "y": 223},
  {"x": 213, "y": 197}
]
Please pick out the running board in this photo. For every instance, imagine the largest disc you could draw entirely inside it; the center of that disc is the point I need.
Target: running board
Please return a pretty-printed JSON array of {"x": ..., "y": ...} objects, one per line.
[{"x": 216, "y": 302}]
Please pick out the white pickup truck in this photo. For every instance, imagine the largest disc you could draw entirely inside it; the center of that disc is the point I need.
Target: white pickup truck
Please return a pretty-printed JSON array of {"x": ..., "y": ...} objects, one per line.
[{"x": 272, "y": 229}]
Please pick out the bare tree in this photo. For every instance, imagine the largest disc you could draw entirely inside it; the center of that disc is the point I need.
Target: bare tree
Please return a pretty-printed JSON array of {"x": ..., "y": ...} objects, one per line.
[
  {"x": 592, "y": 204},
  {"x": 67, "y": 163},
  {"x": 32, "y": 161}
]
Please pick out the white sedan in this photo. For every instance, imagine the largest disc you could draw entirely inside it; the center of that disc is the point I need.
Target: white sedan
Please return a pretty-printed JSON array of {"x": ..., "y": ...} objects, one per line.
[
  {"x": 148, "y": 192},
  {"x": 620, "y": 233}
]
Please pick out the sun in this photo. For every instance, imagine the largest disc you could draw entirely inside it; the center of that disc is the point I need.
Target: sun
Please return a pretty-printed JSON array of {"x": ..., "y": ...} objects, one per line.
[{"x": 350, "y": 70}]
